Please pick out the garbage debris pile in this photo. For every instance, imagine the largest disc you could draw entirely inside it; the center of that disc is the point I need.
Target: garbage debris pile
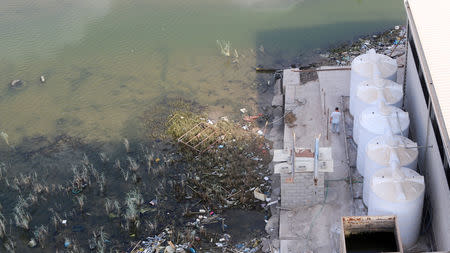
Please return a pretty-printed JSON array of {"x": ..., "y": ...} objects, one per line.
[
  {"x": 158, "y": 243},
  {"x": 161, "y": 243},
  {"x": 391, "y": 43},
  {"x": 232, "y": 166},
  {"x": 227, "y": 169}
]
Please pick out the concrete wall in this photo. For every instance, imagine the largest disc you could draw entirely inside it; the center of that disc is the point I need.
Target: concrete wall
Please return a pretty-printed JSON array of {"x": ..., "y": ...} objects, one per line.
[
  {"x": 430, "y": 161},
  {"x": 301, "y": 191}
]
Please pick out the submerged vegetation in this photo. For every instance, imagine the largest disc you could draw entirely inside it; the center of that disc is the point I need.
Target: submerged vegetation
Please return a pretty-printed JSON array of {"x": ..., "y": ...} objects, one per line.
[
  {"x": 75, "y": 196},
  {"x": 88, "y": 193},
  {"x": 21, "y": 215},
  {"x": 2, "y": 226}
]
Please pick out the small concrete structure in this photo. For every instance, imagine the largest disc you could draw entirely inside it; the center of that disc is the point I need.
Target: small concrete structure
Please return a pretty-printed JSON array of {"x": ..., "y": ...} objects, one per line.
[
  {"x": 309, "y": 217},
  {"x": 304, "y": 161},
  {"x": 366, "y": 225},
  {"x": 299, "y": 187},
  {"x": 300, "y": 190}
]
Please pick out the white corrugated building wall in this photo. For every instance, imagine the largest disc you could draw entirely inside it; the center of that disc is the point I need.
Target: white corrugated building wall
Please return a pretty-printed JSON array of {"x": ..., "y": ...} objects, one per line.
[{"x": 427, "y": 91}]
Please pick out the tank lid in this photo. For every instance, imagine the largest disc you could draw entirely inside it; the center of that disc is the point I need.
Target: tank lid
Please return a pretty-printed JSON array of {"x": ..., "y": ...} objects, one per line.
[
  {"x": 397, "y": 184},
  {"x": 379, "y": 118},
  {"x": 372, "y": 90},
  {"x": 373, "y": 65},
  {"x": 380, "y": 148}
]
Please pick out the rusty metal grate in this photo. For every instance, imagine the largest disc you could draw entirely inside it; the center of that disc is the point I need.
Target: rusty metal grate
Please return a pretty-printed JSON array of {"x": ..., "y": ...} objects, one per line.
[{"x": 202, "y": 137}]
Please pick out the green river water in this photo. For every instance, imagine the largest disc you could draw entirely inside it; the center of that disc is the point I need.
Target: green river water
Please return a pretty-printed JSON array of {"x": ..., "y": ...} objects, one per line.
[{"x": 107, "y": 61}]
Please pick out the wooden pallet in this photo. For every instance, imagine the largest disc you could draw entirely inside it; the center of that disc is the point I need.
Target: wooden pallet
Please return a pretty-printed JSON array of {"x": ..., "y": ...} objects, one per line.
[{"x": 202, "y": 137}]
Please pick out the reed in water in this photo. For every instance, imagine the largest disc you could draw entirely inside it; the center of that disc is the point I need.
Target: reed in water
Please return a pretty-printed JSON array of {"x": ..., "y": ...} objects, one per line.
[
  {"x": 2, "y": 226},
  {"x": 21, "y": 215},
  {"x": 41, "y": 233},
  {"x": 81, "y": 201}
]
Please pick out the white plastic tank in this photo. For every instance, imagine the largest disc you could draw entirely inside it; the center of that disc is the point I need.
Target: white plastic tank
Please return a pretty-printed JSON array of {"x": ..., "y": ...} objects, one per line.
[
  {"x": 369, "y": 92},
  {"x": 383, "y": 149},
  {"x": 368, "y": 66},
  {"x": 399, "y": 191},
  {"x": 374, "y": 121}
]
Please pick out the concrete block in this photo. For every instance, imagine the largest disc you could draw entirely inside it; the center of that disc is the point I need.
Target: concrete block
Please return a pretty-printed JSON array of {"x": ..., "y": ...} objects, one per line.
[
  {"x": 290, "y": 77},
  {"x": 277, "y": 100},
  {"x": 301, "y": 191},
  {"x": 289, "y": 96}
]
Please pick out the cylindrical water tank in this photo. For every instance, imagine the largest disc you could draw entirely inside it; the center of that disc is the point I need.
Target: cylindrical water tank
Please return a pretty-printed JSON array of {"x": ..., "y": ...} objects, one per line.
[
  {"x": 369, "y": 92},
  {"x": 378, "y": 153},
  {"x": 374, "y": 121},
  {"x": 368, "y": 66},
  {"x": 400, "y": 192}
]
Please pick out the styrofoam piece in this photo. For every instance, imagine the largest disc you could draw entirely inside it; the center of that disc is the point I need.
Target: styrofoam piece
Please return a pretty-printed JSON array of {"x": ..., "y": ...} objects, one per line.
[
  {"x": 399, "y": 191},
  {"x": 369, "y": 92},
  {"x": 374, "y": 121},
  {"x": 378, "y": 155},
  {"x": 369, "y": 66}
]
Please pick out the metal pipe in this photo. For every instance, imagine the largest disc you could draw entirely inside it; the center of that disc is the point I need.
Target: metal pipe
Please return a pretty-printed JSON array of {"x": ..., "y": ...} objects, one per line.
[
  {"x": 328, "y": 122},
  {"x": 293, "y": 154},
  {"x": 332, "y": 69},
  {"x": 350, "y": 175},
  {"x": 431, "y": 146},
  {"x": 406, "y": 66},
  {"x": 316, "y": 161},
  {"x": 400, "y": 128},
  {"x": 345, "y": 130},
  {"x": 318, "y": 70},
  {"x": 428, "y": 132},
  {"x": 399, "y": 124}
]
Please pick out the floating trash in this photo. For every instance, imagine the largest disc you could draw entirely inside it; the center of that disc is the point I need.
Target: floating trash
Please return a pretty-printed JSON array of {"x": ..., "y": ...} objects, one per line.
[
  {"x": 154, "y": 202},
  {"x": 32, "y": 243},
  {"x": 66, "y": 243},
  {"x": 5, "y": 137},
  {"x": 16, "y": 83}
]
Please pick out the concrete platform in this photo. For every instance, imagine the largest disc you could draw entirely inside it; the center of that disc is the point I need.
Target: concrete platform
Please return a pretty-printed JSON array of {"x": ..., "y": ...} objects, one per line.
[
  {"x": 317, "y": 228},
  {"x": 305, "y": 103}
]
